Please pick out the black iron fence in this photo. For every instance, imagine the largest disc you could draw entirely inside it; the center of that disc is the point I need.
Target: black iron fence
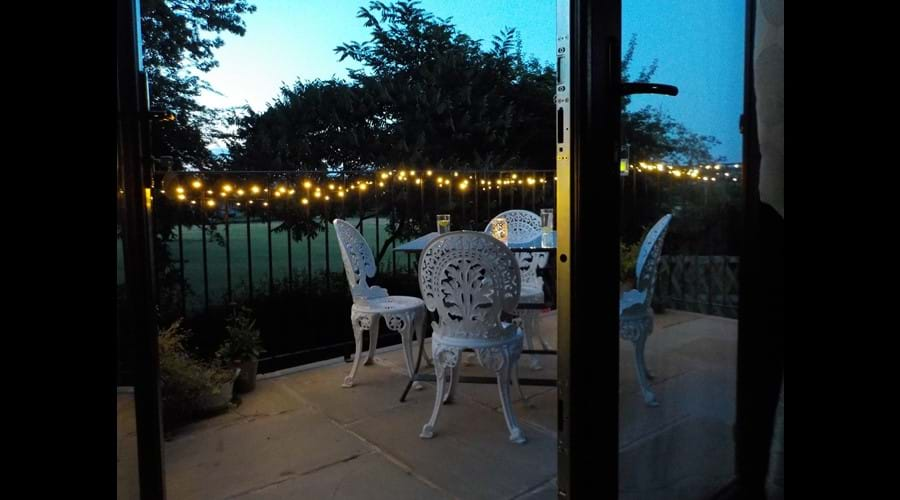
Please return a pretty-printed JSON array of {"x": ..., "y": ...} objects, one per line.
[{"x": 264, "y": 239}]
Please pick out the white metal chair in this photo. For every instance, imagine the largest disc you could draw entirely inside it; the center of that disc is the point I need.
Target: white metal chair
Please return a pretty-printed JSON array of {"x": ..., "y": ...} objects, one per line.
[
  {"x": 405, "y": 315},
  {"x": 525, "y": 226},
  {"x": 635, "y": 311},
  {"x": 470, "y": 278}
]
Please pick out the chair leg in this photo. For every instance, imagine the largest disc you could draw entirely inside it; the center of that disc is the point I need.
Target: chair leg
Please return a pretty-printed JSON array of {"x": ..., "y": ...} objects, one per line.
[
  {"x": 357, "y": 335},
  {"x": 428, "y": 429},
  {"x": 503, "y": 378},
  {"x": 421, "y": 317},
  {"x": 373, "y": 340},
  {"x": 518, "y": 386},
  {"x": 454, "y": 383},
  {"x": 641, "y": 368},
  {"x": 529, "y": 327}
]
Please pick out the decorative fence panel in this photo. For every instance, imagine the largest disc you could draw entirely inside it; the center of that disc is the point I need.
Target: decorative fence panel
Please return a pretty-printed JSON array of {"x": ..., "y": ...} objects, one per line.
[{"x": 706, "y": 284}]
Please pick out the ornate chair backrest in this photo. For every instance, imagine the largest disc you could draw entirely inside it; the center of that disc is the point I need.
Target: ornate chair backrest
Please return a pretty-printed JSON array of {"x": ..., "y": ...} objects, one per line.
[
  {"x": 648, "y": 258},
  {"x": 525, "y": 226},
  {"x": 469, "y": 278},
  {"x": 359, "y": 263}
]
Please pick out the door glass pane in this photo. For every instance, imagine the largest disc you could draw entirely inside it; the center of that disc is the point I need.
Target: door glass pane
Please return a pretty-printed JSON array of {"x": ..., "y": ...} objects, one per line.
[
  {"x": 681, "y": 217},
  {"x": 385, "y": 115}
]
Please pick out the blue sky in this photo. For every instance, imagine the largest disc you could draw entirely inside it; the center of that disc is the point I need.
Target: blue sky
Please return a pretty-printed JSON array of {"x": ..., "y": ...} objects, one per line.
[{"x": 699, "y": 45}]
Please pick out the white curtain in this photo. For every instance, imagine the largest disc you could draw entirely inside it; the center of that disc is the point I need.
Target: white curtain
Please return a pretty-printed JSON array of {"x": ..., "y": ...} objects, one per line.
[{"x": 768, "y": 70}]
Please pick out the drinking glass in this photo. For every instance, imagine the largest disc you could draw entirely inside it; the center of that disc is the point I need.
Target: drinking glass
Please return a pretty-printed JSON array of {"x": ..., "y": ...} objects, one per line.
[{"x": 443, "y": 223}]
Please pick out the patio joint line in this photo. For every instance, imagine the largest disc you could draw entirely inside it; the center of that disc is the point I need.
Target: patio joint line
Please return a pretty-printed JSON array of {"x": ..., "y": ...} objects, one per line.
[
  {"x": 652, "y": 434},
  {"x": 292, "y": 475},
  {"x": 534, "y": 489},
  {"x": 376, "y": 449}
]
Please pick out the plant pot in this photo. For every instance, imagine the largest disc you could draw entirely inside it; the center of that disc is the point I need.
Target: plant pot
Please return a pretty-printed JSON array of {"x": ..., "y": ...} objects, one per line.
[
  {"x": 246, "y": 381},
  {"x": 220, "y": 398}
]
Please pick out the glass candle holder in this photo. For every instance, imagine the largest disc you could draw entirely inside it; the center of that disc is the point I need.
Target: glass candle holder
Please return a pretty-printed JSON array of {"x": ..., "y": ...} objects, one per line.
[
  {"x": 546, "y": 227},
  {"x": 500, "y": 229},
  {"x": 443, "y": 223}
]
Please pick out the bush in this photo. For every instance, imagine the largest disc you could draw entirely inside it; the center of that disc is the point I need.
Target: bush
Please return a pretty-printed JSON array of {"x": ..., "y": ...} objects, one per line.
[
  {"x": 628, "y": 255},
  {"x": 185, "y": 382}
]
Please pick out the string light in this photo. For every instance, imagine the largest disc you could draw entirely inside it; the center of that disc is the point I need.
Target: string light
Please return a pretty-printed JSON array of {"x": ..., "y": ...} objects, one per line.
[{"x": 180, "y": 190}]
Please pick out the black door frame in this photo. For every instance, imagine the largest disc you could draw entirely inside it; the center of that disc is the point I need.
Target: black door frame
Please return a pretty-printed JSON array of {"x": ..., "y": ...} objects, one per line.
[
  {"x": 134, "y": 172},
  {"x": 588, "y": 359}
]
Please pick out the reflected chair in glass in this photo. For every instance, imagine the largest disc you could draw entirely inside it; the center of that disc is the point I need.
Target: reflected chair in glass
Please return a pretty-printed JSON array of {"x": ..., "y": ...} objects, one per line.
[{"x": 635, "y": 311}]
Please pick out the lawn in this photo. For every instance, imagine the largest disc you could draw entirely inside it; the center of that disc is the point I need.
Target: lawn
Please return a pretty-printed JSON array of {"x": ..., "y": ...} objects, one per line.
[{"x": 259, "y": 250}]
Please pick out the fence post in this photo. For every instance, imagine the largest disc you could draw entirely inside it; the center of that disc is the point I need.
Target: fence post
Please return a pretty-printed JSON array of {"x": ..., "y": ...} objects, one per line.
[{"x": 249, "y": 253}]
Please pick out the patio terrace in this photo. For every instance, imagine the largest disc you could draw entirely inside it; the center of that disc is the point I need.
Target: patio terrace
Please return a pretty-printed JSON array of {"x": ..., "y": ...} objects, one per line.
[{"x": 300, "y": 435}]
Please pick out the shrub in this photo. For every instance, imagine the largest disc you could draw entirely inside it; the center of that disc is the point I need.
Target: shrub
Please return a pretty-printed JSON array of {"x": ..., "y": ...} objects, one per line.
[{"x": 185, "y": 382}]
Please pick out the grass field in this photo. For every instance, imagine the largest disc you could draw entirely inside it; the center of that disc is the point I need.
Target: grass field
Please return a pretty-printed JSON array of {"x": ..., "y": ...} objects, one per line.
[{"x": 259, "y": 250}]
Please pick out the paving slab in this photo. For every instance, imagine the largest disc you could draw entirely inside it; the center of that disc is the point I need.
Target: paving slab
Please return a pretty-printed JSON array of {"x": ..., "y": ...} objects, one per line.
[
  {"x": 367, "y": 477},
  {"x": 253, "y": 453},
  {"x": 690, "y": 461},
  {"x": 470, "y": 455}
]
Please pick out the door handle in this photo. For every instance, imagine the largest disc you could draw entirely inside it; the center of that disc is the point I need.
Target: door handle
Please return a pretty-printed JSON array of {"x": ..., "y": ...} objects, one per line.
[{"x": 649, "y": 88}]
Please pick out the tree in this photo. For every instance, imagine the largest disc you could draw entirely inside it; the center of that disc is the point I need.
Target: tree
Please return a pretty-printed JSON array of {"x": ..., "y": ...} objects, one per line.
[
  {"x": 179, "y": 37},
  {"x": 427, "y": 95},
  {"x": 652, "y": 134}
]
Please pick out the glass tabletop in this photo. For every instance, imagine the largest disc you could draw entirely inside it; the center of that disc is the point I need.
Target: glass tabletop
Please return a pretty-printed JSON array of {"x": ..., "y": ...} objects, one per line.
[{"x": 536, "y": 245}]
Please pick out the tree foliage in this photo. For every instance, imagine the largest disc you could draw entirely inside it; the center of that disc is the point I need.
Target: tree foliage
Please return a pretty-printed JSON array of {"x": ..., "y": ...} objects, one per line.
[
  {"x": 428, "y": 95},
  {"x": 651, "y": 133},
  {"x": 179, "y": 40}
]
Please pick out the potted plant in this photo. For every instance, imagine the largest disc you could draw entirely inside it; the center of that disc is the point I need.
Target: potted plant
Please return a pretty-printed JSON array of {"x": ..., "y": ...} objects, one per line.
[
  {"x": 189, "y": 387},
  {"x": 242, "y": 348}
]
